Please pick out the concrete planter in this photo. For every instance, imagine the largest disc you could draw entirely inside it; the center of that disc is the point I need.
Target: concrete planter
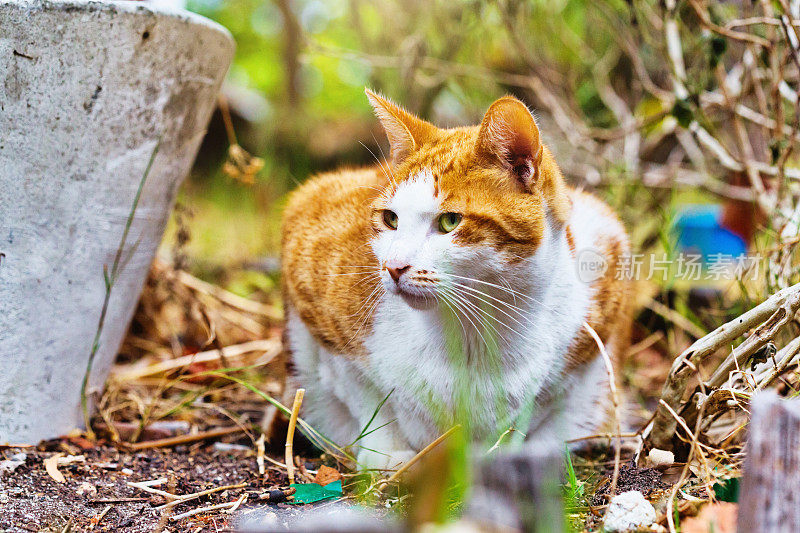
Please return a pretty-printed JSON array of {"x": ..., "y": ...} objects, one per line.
[{"x": 86, "y": 90}]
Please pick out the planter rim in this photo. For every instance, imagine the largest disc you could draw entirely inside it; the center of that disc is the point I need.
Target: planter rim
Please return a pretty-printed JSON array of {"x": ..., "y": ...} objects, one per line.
[{"x": 133, "y": 7}]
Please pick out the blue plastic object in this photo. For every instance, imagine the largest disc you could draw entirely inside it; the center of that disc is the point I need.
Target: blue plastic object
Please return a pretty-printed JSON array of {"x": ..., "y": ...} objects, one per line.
[{"x": 699, "y": 231}]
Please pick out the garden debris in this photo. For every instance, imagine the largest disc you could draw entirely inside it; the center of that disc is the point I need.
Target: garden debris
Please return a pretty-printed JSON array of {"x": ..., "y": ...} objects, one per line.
[
  {"x": 260, "y": 454},
  {"x": 86, "y": 489},
  {"x": 34, "y": 498},
  {"x": 314, "y": 492},
  {"x": 631, "y": 478},
  {"x": 628, "y": 511},
  {"x": 9, "y": 465},
  {"x": 97, "y": 519},
  {"x": 176, "y": 306},
  {"x": 658, "y": 457},
  {"x": 727, "y": 490},
  {"x": 51, "y": 466},
  {"x": 326, "y": 475},
  {"x": 186, "y": 439},
  {"x": 276, "y": 496}
]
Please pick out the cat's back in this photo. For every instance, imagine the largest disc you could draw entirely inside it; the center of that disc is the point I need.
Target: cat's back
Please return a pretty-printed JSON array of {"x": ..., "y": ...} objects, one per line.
[{"x": 325, "y": 263}]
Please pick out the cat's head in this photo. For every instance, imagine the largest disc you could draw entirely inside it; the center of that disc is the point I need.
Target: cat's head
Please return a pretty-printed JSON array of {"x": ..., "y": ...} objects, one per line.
[{"x": 462, "y": 204}]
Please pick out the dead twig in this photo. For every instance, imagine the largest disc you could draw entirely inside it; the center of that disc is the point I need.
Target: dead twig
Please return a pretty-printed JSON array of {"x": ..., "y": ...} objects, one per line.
[
  {"x": 237, "y": 504},
  {"x": 612, "y": 385},
  {"x": 193, "y": 496},
  {"x": 200, "y": 510},
  {"x": 411, "y": 462},
  {"x": 298, "y": 401},
  {"x": 183, "y": 439},
  {"x": 227, "y": 297},
  {"x": 260, "y": 455},
  {"x": 270, "y": 347},
  {"x": 99, "y": 518},
  {"x": 685, "y": 365}
]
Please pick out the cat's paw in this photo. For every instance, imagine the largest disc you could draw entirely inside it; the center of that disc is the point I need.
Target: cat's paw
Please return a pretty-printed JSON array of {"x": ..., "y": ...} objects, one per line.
[{"x": 390, "y": 460}]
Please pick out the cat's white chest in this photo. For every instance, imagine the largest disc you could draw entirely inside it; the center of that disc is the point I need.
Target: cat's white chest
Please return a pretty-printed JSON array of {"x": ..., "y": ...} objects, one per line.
[{"x": 486, "y": 364}]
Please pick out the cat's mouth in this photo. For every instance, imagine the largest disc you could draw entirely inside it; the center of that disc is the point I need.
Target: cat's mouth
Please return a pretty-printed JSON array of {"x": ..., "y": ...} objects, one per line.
[
  {"x": 417, "y": 300},
  {"x": 417, "y": 297}
]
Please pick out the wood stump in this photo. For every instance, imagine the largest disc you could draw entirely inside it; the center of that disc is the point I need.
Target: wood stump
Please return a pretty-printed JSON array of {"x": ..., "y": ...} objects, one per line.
[
  {"x": 520, "y": 491},
  {"x": 769, "y": 501}
]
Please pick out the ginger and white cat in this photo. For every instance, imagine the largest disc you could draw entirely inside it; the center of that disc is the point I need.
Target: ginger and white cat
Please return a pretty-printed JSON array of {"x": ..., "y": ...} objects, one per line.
[{"x": 447, "y": 280}]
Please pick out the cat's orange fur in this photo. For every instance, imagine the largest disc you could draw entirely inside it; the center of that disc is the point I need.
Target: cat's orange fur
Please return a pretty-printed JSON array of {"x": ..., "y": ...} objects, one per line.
[
  {"x": 330, "y": 218},
  {"x": 358, "y": 333}
]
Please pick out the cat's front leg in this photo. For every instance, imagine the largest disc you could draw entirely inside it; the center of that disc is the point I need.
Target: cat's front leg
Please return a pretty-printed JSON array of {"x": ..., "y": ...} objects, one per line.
[
  {"x": 371, "y": 457},
  {"x": 382, "y": 446}
]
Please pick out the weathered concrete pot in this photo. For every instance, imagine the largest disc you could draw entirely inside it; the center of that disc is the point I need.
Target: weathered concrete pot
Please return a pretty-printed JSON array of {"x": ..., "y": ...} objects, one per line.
[{"x": 86, "y": 91}]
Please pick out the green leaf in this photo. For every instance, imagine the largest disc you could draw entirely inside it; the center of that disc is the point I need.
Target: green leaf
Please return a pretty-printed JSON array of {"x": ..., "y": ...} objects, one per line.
[
  {"x": 728, "y": 490},
  {"x": 682, "y": 111},
  {"x": 717, "y": 48},
  {"x": 314, "y": 492}
]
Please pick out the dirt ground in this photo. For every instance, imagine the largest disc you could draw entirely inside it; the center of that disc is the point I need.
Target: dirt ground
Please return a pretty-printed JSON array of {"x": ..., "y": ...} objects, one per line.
[{"x": 95, "y": 495}]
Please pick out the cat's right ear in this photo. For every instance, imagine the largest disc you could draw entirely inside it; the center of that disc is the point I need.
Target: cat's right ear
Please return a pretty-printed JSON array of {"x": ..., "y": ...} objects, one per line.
[
  {"x": 509, "y": 136},
  {"x": 405, "y": 131}
]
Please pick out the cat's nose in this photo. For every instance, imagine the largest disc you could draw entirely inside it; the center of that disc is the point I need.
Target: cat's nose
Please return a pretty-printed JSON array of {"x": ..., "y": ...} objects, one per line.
[{"x": 396, "y": 272}]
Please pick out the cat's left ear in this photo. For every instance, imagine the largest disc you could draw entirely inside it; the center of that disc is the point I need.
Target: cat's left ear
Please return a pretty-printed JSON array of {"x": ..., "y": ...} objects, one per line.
[
  {"x": 509, "y": 136},
  {"x": 405, "y": 131}
]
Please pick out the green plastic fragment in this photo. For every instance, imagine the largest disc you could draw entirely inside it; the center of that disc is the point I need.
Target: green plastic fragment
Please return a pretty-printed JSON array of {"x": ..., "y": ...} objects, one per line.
[
  {"x": 314, "y": 492},
  {"x": 727, "y": 490}
]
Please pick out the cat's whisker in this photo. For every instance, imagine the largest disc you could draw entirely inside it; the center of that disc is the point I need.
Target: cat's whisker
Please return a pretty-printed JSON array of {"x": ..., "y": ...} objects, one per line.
[
  {"x": 486, "y": 319},
  {"x": 367, "y": 273},
  {"x": 388, "y": 165},
  {"x": 505, "y": 283},
  {"x": 375, "y": 296},
  {"x": 497, "y": 320},
  {"x": 466, "y": 312},
  {"x": 366, "y": 301},
  {"x": 490, "y": 304},
  {"x": 380, "y": 163},
  {"x": 481, "y": 295},
  {"x": 509, "y": 290},
  {"x": 459, "y": 309},
  {"x": 469, "y": 309},
  {"x": 445, "y": 300},
  {"x": 518, "y": 310}
]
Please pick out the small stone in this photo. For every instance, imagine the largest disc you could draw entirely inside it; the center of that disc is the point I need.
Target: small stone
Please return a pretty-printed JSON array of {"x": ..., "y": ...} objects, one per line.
[
  {"x": 126, "y": 472},
  {"x": 628, "y": 511},
  {"x": 8, "y": 466},
  {"x": 86, "y": 489},
  {"x": 228, "y": 447},
  {"x": 658, "y": 457},
  {"x": 3, "y": 498}
]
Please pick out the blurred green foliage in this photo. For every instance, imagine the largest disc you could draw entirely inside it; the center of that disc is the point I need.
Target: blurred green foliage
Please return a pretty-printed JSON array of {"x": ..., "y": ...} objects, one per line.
[{"x": 306, "y": 63}]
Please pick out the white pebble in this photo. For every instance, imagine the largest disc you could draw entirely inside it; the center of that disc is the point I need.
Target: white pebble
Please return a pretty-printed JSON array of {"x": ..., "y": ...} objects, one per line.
[
  {"x": 658, "y": 457},
  {"x": 86, "y": 489},
  {"x": 8, "y": 466},
  {"x": 628, "y": 512}
]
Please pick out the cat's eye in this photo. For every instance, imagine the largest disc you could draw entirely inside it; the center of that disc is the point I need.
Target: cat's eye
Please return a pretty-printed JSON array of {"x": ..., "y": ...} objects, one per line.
[
  {"x": 448, "y": 222},
  {"x": 390, "y": 218}
]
